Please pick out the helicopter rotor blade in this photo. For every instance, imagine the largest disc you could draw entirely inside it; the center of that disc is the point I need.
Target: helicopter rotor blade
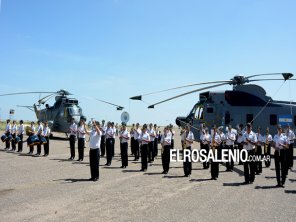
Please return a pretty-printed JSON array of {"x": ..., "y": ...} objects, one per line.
[
  {"x": 285, "y": 75},
  {"x": 112, "y": 104},
  {"x": 257, "y": 80},
  {"x": 45, "y": 99},
  {"x": 184, "y": 94},
  {"x": 23, "y": 93},
  {"x": 180, "y": 87}
]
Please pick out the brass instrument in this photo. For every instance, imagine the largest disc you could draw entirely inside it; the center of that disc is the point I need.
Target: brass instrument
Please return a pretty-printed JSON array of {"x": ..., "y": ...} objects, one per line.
[
  {"x": 266, "y": 144},
  {"x": 184, "y": 143},
  {"x": 214, "y": 144}
]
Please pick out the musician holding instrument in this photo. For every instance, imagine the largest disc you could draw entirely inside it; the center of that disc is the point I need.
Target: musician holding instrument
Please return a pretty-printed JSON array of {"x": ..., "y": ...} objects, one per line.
[
  {"x": 249, "y": 144},
  {"x": 166, "y": 141},
  {"x": 20, "y": 134},
  {"x": 230, "y": 139},
  {"x": 31, "y": 134},
  {"x": 103, "y": 138},
  {"x": 124, "y": 137},
  {"x": 258, "y": 151},
  {"x": 137, "y": 135},
  {"x": 188, "y": 141},
  {"x": 45, "y": 134},
  {"x": 281, "y": 145},
  {"x": 206, "y": 141},
  {"x": 38, "y": 133},
  {"x": 109, "y": 139},
  {"x": 267, "y": 144},
  {"x": 7, "y": 133},
  {"x": 240, "y": 133},
  {"x": 13, "y": 134},
  {"x": 215, "y": 145},
  {"x": 72, "y": 138},
  {"x": 81, "y": 130},
  {"x": 152, "y": 135},
  {"x": 144, "y": 140},
  {"x": 155, "y": 147},
  {"x": 132, "y": 144}
]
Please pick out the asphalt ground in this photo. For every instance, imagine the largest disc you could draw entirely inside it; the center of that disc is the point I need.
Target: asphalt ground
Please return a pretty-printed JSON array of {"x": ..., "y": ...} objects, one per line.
[{"x": 54, "y": 188}]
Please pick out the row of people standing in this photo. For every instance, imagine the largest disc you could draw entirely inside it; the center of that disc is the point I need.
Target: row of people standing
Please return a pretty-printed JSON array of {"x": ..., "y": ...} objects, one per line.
[{"x": 15, "y": 136}]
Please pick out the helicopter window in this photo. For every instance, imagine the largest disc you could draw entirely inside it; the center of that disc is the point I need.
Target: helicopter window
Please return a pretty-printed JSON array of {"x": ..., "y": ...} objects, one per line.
[
  {"x": 74, "y": 111},
  {"x": 249, "y": 118},
  {"x": 210, "y": 110},
  {"x": 199, "y": 113},
  {"x": 273, "y": 119}
]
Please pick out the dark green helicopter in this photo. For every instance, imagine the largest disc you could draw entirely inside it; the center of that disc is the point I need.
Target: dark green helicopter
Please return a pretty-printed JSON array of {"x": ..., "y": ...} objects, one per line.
[{"x": 61, "y": 113}]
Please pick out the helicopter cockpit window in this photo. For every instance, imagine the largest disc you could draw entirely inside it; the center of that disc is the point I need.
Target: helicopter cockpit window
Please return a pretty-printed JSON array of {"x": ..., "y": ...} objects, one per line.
[
  {"x": 199, "y": 112},
  {"x": 210, "y": 110},
  {"x": 74, "y": 111}
]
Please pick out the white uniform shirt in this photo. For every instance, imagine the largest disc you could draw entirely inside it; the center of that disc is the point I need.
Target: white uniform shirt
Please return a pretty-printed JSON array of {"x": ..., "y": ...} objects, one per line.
[
  {"x": 46, "y": 131},
  {"x": 217, "y": 139},
  {"x": 152, "y": 134},
  {"x": 260, "y": 139},
  {"x": 104, "y": 129},
  {"x": 251, "y": 137},
  {"x": 33, "y": 129},
  {"x": 166, "y": 139},
  {"x": 173, "y": 134},
  {"x": 21, "y": 129},
  {"x": 291, "y": 136},
  {"x": 280, "y": 140},
  {"x": 115, "y": 130},
  {"x": 189, "y": 139},
  {"x": 137, "y": 134},
  {"x": 132, "y": 133},
  {"x": 73, "y": 129},
  {"x": 8, "y": 128},
  {"x": 240, "y": 137},
  {"x": 230, "y": 138},
  {"x": 124, "y": 136},
  {"x": 222, "y": 137},
  {"x": 39, "y": 129},
  {"x": 81, "y": 131},
  {"x": 144, "y": 138},
  {"x": 109, "y": 133},
  {"x": 267, "y": 138},
  {"x": 14, "y": 129},
  {"x": 206, "y": 139},
  {"x": 95, "y": 139}
]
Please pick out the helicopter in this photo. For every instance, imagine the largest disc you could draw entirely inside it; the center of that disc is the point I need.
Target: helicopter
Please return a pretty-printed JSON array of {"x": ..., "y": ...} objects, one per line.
[
  {"x": 59, "y": 116},
  {"x": 245, "y": 103}
]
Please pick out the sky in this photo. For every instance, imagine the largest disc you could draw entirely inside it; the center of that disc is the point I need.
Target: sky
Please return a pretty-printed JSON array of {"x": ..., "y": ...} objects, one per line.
[{"x": 115, "y": 49}]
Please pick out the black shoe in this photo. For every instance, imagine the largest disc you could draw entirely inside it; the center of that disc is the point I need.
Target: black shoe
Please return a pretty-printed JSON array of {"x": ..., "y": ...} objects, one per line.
[
  {"x": 163, "y": 172},
  {"x": 246, "y": 182},
  {"x": 141, "y": 170},
  {"x": 70, "y": 158},
  {"x": 122, "y": 167},
  {"x": 90, "y": 179},
  {"x": 166, "y": 172},
  {"x": 106, "y": 164},
  {"x": 109, "y": 164},
  {"x": 145, "y": 170},
  {"x": 95, "y": 179},
  {"x": 279, "y": 185},
  {"x": 78, "y": 160},
  {"x": 186, "y": 175}
]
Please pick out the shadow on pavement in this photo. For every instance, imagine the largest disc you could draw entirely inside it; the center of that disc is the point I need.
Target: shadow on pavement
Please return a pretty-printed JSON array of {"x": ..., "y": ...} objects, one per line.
[
  {"x": 266, "y": 187},
  {"x": 290, "y": 191},
  {"x": 233, "y": 184},
  {"x": 200, "y": 180}
]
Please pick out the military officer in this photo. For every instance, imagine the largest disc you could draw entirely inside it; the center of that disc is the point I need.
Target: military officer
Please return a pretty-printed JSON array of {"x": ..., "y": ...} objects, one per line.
[
  {"x": 166, "y": 141},
  {"x": 20, "y": 134},
  {"x": 38, "y": 133},
  {"x": 72, "y": 138},
  {"x": 152, "y": 135},
  {"x": 188, "y": 138},
  {"x": 230, "y": 139},
  {"x": 124, "y": 137},
  {"x": 7, "y": 133},
  {"x": 290, "y": 156},
  {"x": 144, "y": 139}
]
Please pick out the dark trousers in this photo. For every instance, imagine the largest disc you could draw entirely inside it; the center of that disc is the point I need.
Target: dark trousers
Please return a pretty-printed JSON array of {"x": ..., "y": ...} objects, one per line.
[
  {"x": 20, "y": 144},
  {"x": 249, "y": 168},
  {"x": 31, "y": 149},
  {"x": 103, "y": 145},
  {"x": 113, "y": 147},
  {"x": 258, "y": 153},
  {"x": 280, "y": 163},
  {"x": 46, "y": 146},
  {"x": 137, "y": 150},
  {"x": 206, "y": 164},
  {"x": 13, "y": 144},
  {"x": 267, "y": 153},
  {"x": 151, "y": 151},
  {"x": 94, "y": 160},
  {"x": 72, "y": 145},
  {"x": 240, "y": 147},
  {"x": 109, "y": 148},
  {"x": 187, "y": 165},
  {"x": 81, "y": 143},
  {"x": 290, "y": 155},
  {"x": 123, "y": 153},
  {"x": 165, "y": 157},
  {"x": 214, "y": 169},
  {"x": 172, "y": 144},
  {"x": 229, "y": 163},
  {"x": 132, "y": 145},
  {"x": 39, "y": 146},
  {"x": 144, "y": 156},
  {"x": 7, "y": 142},
  {"x": 155, "y": 147}
]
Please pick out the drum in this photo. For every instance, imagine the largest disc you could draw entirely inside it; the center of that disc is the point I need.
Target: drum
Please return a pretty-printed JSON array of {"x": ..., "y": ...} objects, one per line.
[
  {"x": 9, "y": 138},
  {"x": 33, "y": 140},
  {"x": 28, "y": 130},
  {"x": 17, "y": 139},
  {"x": 3, "y": 138},
  {"x": 43, "y": 140}
]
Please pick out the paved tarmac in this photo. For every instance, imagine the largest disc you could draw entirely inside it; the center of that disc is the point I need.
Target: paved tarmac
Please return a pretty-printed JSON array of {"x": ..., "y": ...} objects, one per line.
[{"x": 54, "y": 188}]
